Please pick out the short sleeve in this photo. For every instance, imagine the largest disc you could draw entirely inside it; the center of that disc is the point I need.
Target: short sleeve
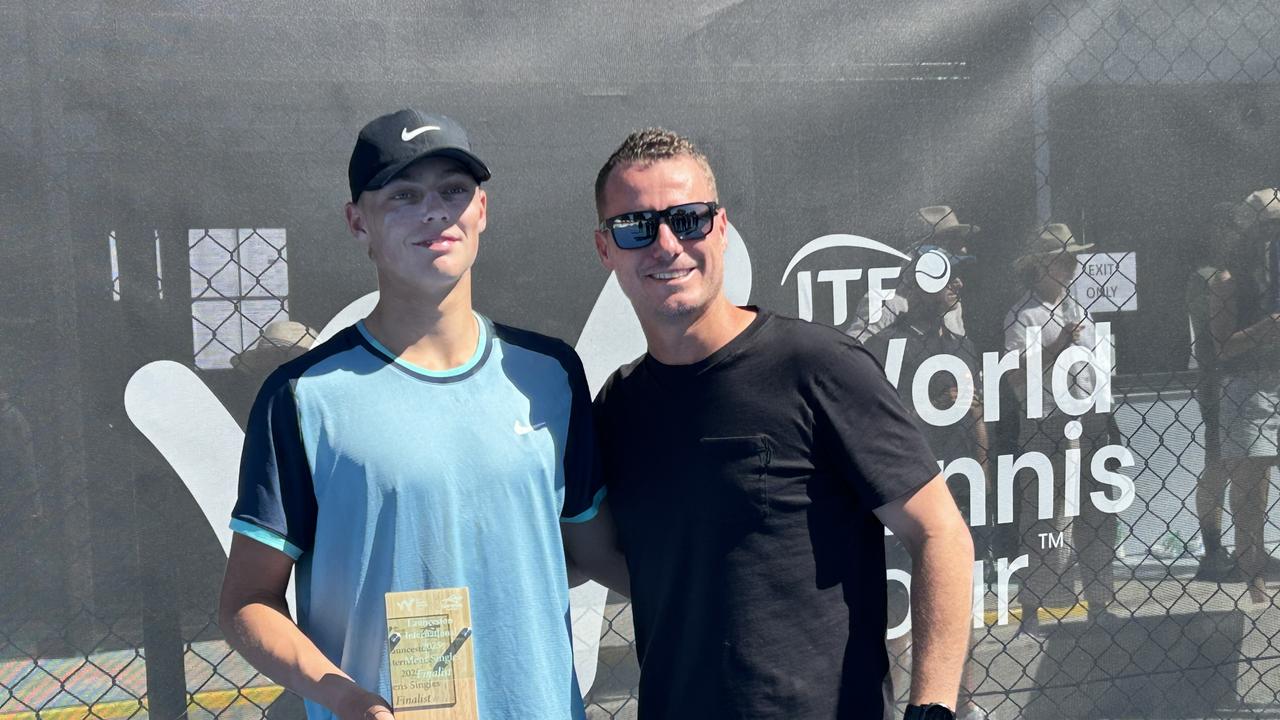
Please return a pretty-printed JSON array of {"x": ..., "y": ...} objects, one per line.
[
  {"x": 1015, "y": 337},
  {"x": 584, "y": 488},
  {"x": 878, "y": 346},
  {"x": 863, "y": 431},
  {"x": 861, "y": 328},
  {"x": 277, "y": 503}
]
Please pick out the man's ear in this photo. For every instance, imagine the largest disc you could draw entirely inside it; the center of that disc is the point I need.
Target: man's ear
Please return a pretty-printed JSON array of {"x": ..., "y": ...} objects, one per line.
[
  {"x": 602, "y": 248},
  {"x": 483, "y": 222},
  {"x": 355, "y": 220},
  {"x": 358, "y": 225}
]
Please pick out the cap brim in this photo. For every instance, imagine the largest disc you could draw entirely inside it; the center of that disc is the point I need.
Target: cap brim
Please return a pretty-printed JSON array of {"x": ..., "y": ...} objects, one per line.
[
  {"x": 265, "y": 359},
  {"x": 1068, "y": 250},
  {"x": 923, "y": 247},
  {"x": 473, "y": 165},
  {"x": 961, "y": 229}
]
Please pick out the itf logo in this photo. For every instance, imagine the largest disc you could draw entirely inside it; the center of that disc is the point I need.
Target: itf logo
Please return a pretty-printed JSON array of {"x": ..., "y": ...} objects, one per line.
[{"x": 932, "y": 273}]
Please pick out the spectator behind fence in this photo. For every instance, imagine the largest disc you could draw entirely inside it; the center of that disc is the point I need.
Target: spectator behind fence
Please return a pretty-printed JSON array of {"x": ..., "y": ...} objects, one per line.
[
  {"x": 1245, "y": 324},
  {"x": 933, "y": 225},
  {"x": 1220, "y": 235},
  {"x": 751, "y": 460},
  {"x": 281, "y": 341},
  {"x": 933, "y": 284},
  {"x": 1047, "y": 269}
]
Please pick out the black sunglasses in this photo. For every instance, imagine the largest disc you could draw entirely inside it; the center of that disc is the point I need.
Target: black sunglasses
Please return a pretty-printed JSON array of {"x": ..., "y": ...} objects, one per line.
[{"x": 634, "y": 230}]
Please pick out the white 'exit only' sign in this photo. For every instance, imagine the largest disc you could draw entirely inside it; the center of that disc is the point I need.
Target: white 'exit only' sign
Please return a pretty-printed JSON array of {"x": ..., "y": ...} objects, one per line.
[{"x": 1107, "y": 282}]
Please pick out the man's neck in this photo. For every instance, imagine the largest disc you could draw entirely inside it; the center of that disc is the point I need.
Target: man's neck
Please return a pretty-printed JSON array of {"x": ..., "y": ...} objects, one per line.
[
  {"x": 926, "y": 322},
  {"x": 1052, "y": 298},
  {"x": 437, "y": 333},
  {"x": 681, "y": 341}
]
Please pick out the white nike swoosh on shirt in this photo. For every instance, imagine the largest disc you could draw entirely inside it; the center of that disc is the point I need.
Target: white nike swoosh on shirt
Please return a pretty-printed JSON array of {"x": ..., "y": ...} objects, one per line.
[
  {"x": 525, "y": 428},
  {"x": 406, "y": 136}
]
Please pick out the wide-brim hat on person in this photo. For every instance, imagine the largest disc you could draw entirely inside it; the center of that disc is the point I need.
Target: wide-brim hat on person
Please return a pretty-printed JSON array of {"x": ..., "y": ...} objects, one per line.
[
  {"x": 1050, "y": 241},
  {"x": 1261, "y": 206},
  {"x": 937, "y": 224},
  {"x": 393, "y": 142},
  {"x": 281, "y": 342}
]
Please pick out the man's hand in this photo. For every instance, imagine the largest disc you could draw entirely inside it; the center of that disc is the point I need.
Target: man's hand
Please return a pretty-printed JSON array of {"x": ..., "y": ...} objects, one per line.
[
  {"x": 365, "y": 706},
  {"x": 1069, "y": 336},
  {"x": 255, "y": 620}
]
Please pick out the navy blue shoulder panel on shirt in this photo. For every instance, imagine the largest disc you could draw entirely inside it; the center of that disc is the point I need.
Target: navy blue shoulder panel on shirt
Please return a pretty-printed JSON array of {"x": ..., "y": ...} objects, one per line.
[
  {"x": 276, "y": 491},
  {"x": 583, "y": 480}
]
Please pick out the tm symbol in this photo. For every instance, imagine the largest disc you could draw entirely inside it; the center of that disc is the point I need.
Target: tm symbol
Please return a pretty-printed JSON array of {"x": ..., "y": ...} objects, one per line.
[{"x": 1050, "y": 540}]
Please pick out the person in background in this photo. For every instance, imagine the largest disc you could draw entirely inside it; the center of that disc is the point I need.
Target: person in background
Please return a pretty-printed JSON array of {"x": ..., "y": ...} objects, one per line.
[
  {"x": 1245, "y": 324},
  {"x": 934, "y": 225},
  {"x": 281, "y": 341},
  {"x": 916, "y": 335},
  {"x": 1220, "y": 236},
  {"x": 1047, "y": 269}
]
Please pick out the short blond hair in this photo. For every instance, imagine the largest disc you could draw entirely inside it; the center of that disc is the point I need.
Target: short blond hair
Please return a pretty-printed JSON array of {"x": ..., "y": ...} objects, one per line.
[{"x": 645, "y": 147}]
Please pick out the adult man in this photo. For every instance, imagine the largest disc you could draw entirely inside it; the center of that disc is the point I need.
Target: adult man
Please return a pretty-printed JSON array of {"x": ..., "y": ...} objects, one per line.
[
  {"x": 1221, "y": 234},
  {"x": 1246, "y": 332},
  {"x": 751, "y": 459},
  {"x": 424, "y": 447},
  {"x": 934, "y": 225},
  {"x": 923, "y": 333},
  {"x": 915, "y": 336},
  {"x": 1047, "y": 269}
]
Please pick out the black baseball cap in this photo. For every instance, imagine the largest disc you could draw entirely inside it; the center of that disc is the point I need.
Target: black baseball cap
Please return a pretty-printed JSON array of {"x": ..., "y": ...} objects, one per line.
[{"x": 393, "y": 142}]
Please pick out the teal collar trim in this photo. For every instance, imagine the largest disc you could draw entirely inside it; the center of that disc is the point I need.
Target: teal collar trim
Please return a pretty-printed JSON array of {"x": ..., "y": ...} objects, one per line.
[{"x": 482, "y": 345}]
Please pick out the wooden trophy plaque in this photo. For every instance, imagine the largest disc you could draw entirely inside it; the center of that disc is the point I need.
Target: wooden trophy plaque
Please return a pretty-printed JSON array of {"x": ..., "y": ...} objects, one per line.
[{"x": 429, "y": 647}]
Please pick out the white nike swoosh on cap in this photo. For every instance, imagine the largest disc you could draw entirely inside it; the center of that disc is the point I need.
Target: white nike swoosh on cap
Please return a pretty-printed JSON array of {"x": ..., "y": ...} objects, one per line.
[{"x": 406, "y": 136}]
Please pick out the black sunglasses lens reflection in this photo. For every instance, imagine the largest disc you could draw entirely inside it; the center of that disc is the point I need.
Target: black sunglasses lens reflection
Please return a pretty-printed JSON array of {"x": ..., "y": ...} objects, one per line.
[
  {"x": 635, "y": 230},
  {"x": 691, "y": 221},
  {"x": 686, "y": 221}
]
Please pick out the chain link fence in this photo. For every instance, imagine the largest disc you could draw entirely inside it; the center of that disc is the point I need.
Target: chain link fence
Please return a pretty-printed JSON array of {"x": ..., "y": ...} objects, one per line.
[{"x": 1153, "y": 599}]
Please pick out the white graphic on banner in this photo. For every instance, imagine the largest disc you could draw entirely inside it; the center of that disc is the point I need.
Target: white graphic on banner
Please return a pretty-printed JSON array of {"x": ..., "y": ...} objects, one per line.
[
  {"x": 1008, "y": 466},
  {"x": 1102, "y": 280},
  {"x": 933, "y": 271},
  {"x": 191, "y": 428},
  {"x": 879, "y": 279}
]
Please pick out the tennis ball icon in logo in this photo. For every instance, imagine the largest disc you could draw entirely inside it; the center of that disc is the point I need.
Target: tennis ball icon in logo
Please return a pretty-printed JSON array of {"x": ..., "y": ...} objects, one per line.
[{"x": 933, "y": 271}]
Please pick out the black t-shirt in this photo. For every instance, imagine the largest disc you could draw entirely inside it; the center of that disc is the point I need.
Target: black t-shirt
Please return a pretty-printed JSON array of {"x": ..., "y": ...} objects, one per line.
[{"x": 743, "y": 486}]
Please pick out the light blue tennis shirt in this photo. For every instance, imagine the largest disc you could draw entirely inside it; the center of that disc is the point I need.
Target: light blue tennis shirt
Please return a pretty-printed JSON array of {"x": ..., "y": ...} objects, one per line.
[{"x": 376, "y": 475}]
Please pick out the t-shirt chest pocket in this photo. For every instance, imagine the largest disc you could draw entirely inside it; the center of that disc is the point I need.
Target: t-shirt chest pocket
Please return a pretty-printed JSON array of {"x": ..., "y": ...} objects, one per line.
[{"x": 731, "y": 478}]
